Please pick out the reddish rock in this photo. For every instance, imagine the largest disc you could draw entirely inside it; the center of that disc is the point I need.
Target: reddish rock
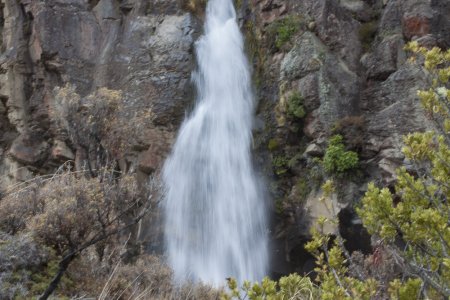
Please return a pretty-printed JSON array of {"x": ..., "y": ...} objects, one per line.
[
  {"x": 61, "y": 152},
  {"x": 312, "y": 129},
  {"x": 415, "y": 26},
  {"x": 149, "y": 161},
  {"x": 28, "y": 151},
  {"x": 271, "y": 10}
]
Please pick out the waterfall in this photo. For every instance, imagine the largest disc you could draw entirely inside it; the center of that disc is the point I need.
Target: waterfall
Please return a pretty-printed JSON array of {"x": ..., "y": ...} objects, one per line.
[{"x": 215, "y": 219}]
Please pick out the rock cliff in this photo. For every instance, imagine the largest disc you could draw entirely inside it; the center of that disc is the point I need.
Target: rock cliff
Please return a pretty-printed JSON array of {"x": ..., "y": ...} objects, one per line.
[
  {"x": 334, "y": 67},
  {"x": 142, "y": 48}
]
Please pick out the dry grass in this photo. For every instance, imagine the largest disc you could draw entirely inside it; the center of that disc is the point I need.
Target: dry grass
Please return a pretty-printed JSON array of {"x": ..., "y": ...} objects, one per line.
[
  {"x": 149, "y": 278},
  {"x": 196, "y": 7}
]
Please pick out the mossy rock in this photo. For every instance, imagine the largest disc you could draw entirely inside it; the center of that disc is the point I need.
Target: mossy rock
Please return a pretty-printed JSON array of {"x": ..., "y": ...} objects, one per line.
[
  {"x": 273, "y": 145},
  {"x": 295, "y": 108},
  {"x": 280, "y": 165},
  {"x": 367, "y": 33},
  {"x": 281, "y": 31}
]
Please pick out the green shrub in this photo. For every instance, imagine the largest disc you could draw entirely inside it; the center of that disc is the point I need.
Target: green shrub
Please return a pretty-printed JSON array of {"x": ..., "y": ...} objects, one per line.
[
  {"x": 337, "y": 160},
  {"x": 295, "y": 106},
  {"x": 417, "y": 209},
  {"x": 293, "y": 286}
]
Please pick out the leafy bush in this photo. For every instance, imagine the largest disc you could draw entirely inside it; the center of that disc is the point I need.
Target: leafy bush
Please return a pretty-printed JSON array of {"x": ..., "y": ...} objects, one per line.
[
  {"x": 293, "y": 287},
  {"x": 417, "y": 212},
  {"x": 410, "y": 225},
  {"x": 336, "y": 159}
]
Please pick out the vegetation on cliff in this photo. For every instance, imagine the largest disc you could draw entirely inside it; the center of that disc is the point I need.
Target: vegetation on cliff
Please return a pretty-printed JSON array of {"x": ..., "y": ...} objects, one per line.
[{"x": 409, "y": 222}]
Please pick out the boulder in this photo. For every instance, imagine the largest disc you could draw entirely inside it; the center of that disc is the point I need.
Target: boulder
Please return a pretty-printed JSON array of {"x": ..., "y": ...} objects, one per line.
[
  {"x": 61, "y": 152},
  {"x": 148, "y": 162},
  {"x": 27, "y": 150},
  {"x": 415, "y": 26},
  {"x": 313, "y": 150},
  {"x": 304, "y": 58},
  {"x": 387, "y": 57},
  {"x": 318, "y": 206}
]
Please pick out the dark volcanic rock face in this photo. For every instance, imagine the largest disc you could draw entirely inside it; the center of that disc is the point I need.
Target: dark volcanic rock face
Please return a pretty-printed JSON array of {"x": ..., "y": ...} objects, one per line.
[
  {"x": 143, "y": 48},
  {"x": 345, "y": 60}
]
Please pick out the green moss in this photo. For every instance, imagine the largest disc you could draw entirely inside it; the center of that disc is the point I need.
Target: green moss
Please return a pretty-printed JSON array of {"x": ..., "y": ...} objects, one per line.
[
  {"x": 295, "y": 106},
  {"x": 273, "y": 145},
  {"x": 280, "y": 165},
  {"x": 279, "y": 206},
  {"x": 303, "y": 189},
  {"x": 255, "y": 51},
  {"x": 41, "y": 280},
  {"x": 367, "y": 33},
  {"x": 282, "y": 31},
  {"x": 294, "y": 161}
]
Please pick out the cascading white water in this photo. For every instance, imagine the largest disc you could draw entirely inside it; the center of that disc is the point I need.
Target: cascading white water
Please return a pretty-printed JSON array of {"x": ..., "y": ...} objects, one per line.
[{"x": 215, "y": 222}]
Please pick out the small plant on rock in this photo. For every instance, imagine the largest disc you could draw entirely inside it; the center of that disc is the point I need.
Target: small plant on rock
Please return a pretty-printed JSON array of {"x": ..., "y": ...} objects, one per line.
[
  {"x": 282, "y": 31},
  {"x": 295, "y": 106},
  {"x": 280, "y": 164},
  {"x": 337, "y": 160}
]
